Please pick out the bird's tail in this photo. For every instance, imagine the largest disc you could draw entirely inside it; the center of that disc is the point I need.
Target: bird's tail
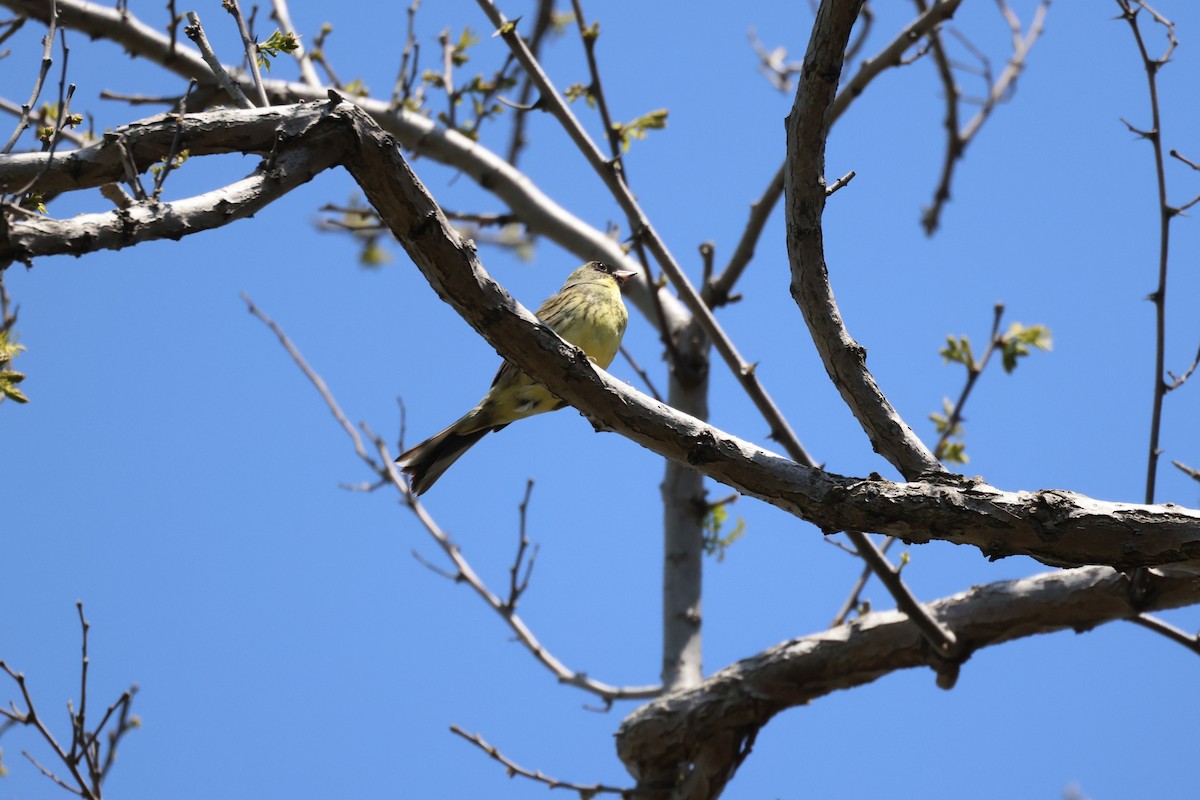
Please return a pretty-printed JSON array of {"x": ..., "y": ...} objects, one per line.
[{"x": 426, "y": 462}]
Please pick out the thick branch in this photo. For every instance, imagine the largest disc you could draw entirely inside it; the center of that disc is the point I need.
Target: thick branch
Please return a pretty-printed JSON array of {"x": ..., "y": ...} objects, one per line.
[
  {"x": 804, "y": 195},
  {"x": 708, "y": 725},
  {"x": 537, "y": 211},
  {"x": 1056, "y": 527}
]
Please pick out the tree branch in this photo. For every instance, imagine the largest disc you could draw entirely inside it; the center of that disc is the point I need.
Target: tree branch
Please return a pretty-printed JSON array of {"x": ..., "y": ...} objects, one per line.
[
  {"x": 1056, "y": 527},
  {"x": 708, "y": 725},
  {"x": 804, "y": 197},
  {"x": 540, "y": 214}
]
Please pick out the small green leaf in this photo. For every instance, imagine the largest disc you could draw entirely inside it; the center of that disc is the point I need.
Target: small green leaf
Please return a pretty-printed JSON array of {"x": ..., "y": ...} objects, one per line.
[
  {"x": 958, "y": 350},
  {"x": 277, "y": 43},
  {"x": 714, "y": 542},
  {"x": 1017, "y": 340},
  {"x": 9, "y": 347},
  {"x": 356, "y": 87},
  {"x": 953, "y": 453},
  {"x": 8, "y": 386},
  {"x": 628, "y": 131},
  {"x": 374, "y": 254},
  {"x": 578, "y": 90}
]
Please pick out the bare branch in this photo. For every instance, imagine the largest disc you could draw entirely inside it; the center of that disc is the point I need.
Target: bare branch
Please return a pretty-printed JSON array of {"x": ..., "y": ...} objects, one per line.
[
  {"x": 1170, "y": 631},
  {"x": 1192, "y": 473},
  {"x": 966, "y": 512},
  {"x": 85, "y": 748},
  {"x": 853, "y": 600},
  {"x": 889, "y": 57},
  {"x": 708, "y": 726},
  {"x": 43, "y": 71},
  {"x": 845, "y": 360},
  {"x": 319, "y": 383},
  {"x": 957, "y": 140},
  {"x": 235, "y": 10},
  {"x": 541, "y": 215},
  {"x": 195, "y": 32},
  {"x": 381, "y": 463},
  {"x": 519, "y": 582},
  {"x": 515, "y": 769},
  {"x": 1166, "y": 212}
]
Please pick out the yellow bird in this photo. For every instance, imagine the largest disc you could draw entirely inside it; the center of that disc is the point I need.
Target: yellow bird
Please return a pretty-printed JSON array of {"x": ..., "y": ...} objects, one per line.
[{"x": 589, "y": 313}]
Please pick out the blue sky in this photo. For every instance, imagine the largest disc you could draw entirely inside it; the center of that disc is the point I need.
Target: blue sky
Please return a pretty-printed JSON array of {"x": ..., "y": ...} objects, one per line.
[{"x": 177, "y": 473}]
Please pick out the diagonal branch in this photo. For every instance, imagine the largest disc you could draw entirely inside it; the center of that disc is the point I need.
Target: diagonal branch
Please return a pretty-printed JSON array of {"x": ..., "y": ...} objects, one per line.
[
  {"x": 540, "y": 214},
  {"x": 804, "y": 198},
  {"x": 958, "y": 139},
  {"x": 381, "y": 464},
  {"x": 706, "y": 726},
  {"x": 611, "y": 174},
  {"x": 1056, "y": 527}
]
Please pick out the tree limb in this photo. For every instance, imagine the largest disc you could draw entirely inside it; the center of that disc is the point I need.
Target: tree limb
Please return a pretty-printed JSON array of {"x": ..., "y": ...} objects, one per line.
[
  {"x": 707, "y": 727},
  {"x": 1056, "y": 527},
  {"x": 804, "y": 197}
]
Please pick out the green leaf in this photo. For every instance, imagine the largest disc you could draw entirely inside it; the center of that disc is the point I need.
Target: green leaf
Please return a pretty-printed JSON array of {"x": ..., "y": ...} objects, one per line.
[
  {"x": 953, "y": 453},
  {"x": 8, "y": 386},
  {"x": 714, "y": 542},
  {"x": 374, "y": 254},
  {"x": 277, "y": 43},
  {"x": 652, "y": 121},
  {"x": 941, "y": 421},
  {"x": 1017, "y": 340},
  {"x": 458, "y": 52},
  {"x": 9, "y": 347},
  {"x": 357, "y": 88},
  {"x": 578, "y": 90},
  {"x": 958, "y": 350}
]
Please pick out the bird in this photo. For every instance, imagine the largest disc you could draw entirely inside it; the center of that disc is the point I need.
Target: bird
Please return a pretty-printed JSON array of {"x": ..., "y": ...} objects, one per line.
[{"x": 589, "y": 313}]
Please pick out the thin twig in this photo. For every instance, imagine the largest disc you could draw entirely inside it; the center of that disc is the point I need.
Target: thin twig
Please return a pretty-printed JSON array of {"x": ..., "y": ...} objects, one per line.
[
  {"x": 317, "y": 381},
  {"x": 279, "y": 11},
  {"x": 62, "y": 117},
  {"x": 958, "y": 139},
  {"x": 43, "y": 71},
  {"x": 518, "y": 583},
  {"x": 169, "y": 161},
  {"x": 251, "y": 47},
  {"x": 1170, "y": 631},
  {"x": 840, "y": 183},
  {"x": 596, "y": 88},
  {"x": 382, "y": 464},
  {"x": 853, "y": 600},
  {"x": 553, "y": 783},
  {"x": 1180, "y": 380},
  {"x": 892, "y": 55},
  {"x": 641, "y": 373},
  {"x": 410, "y": 56},
  {"x": 974, "y": 370},
  {"x": 1158, "y": 297},
  {"x": 195, "y": 31},
  {"x": 85, "y": 746},
  {"x": 1191, "y": 472},
  {"x": 542, "y": 18},
  {"x": 643, "y": 231}
]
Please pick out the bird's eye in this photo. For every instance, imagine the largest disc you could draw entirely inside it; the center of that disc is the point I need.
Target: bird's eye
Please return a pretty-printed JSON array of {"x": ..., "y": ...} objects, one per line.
[{"x": 600, "y": 265}]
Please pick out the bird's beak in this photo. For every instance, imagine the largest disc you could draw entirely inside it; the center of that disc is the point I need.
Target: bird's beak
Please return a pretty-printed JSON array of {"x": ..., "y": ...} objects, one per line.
[{"x": 623, "y": 275}]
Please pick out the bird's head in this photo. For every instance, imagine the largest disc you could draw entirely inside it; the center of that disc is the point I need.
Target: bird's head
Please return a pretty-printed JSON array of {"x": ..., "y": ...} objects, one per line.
[{"x": 597, "y": 270}]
